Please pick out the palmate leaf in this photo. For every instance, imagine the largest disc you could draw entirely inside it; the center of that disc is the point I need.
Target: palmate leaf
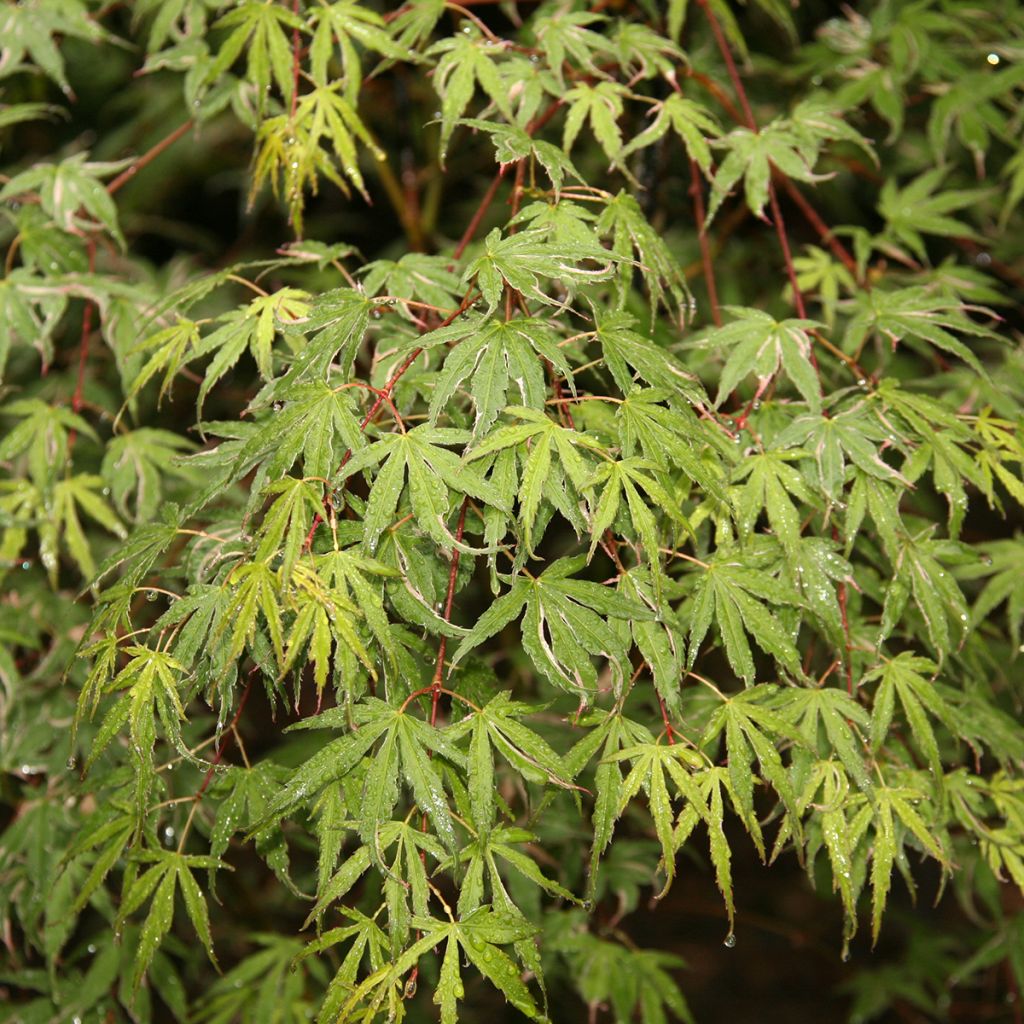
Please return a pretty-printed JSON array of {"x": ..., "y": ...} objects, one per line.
[
  {"x": 738, "y": 598},
  {"x": 758, "y": 343},
  {"x": 135, "y": 462},
  {"x": 830, "y": 721},
  {"x": 170, "y": 872},
  {"x": 692, "y": 122},
  {"x": 652, "y": 766},
  {"x": 919, "y": 573},
  {"x": 512, "y": 143},
  {"x": 480, "y": 937},
  {"x": 638, "y": 246},
  {"x": 670, "y": 435},
  {"x": 245, "y": 794},
  {"x": 71, "y": 193},
  {"x": 553, "y": 466},
  {"x": 262, "y": 31},
  {"x": 753, "y": 729},
  {"x": 902, "y": 679},
  {"x": 851, "y": 437},
  {"x": 494, "y": 356},
  {"x": 895, "y": 818},
  {"x": 564, "y": 34},
  {"x": 344, "y": 24},
  {"x": 627, "y": 478},
  {"x": 519, "y": 261},
  {"x": 920, "y": 209},
  {"x": 497, "y": 728},
  {"x": 752, "y": 155},
  {"x": 563, "y": 627},
  {"x": 914, "y": 313},
  {"x": 770, "y": 483},
  {"x": 417, "y": 462},
  {"x": 623, "y": 347},
  {"x": 467, "y": 60},
  {"x": 601, "y": 106},
  {"x": 1004, "y": 568}
]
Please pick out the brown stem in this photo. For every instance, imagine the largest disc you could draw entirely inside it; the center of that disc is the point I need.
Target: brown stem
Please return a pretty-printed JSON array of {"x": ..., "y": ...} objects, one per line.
[
  {"x": 481, "y": 210},
  {"x": 669, "y": 734},
  {"x": 83, "y": 345},
  {"x": 151, "y": 154},
  {"x": 824, "y": 231},
  {"x": 218, "y": 754},
  {"x": 787, "y": 256},
  {"x": 697, "y": 191},
  {"x": 453, "y": 571}
]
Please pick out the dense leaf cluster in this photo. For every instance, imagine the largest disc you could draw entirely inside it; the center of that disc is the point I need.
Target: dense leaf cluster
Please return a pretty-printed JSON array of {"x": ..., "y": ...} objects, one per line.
[{"x": 534, "y": 557}]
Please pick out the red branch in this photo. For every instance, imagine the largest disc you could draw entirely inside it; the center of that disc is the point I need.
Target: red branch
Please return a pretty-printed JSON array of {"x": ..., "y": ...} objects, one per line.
[
  {"x": 218, "y": 754},
  {"x": 151, "y": 154},
  {"x": 83, "y": 345},
  {"x": 697, "y": 191},
  {"x": 748, "y": 115},
  {"x": 453, "y": 571}
]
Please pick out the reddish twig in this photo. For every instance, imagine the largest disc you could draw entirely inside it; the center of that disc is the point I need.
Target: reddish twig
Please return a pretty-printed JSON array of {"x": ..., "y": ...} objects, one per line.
[
  {"x": 669, "y": 733},
  {"x": 218, "y": 754},
  {"x": 453, "y": 571},
  {"x": 151, "y": 154},
  {"x": 814, "y": 219},
  {"x": 83, "y": 345},
  {"x": 697, "y": 191}
]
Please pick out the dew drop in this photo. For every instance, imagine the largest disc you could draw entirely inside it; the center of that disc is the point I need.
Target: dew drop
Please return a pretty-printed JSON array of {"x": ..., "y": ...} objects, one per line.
[
  {"x": 845, "y": 956},
  {"x": 169, "y": 835},
  {"x": 278, "y": 406},
  {"x": 91, "y": 948},
  {"x": 71, "y": 764},
  {"x": 862, "y": 382},
  {"x": 729, "y": 941},
  {"x": 106, "y": 492},
  {"x": 76, "y": 1020},
  {"x": 26, "y": 565},
  {"x": 993, "y": 59},
  {"x": 150, "y": 595}
]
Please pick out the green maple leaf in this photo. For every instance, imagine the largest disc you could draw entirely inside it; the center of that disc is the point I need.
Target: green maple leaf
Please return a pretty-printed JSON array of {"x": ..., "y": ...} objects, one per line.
[
  {"x": 27, "y": 31},
  {"x": 758, "y": 343},
  {"x": 752, "y": 155},
  {"x": 738, "y": 597},
  {"x": 418, "y": 462},
  {"x": 753, "y": 730},
  {"x": 563, "y": 627},
  {"x": 914, "y": 314},
  {"x": 553, "y": 467},
  {"x": 467, "y": 61},
  {"x": 627, "y": 478},
  {"x": 134, "y": 464},
  {"x": 170, "y": 872},
  {"x": 565, "y": 34},
  {"x": 495, "y": 356},
  {"x": 601, "y": 106},
  {"x": 692, "y": 122},
  {"x": 624, "y": 347},
  {"x": 638, "y": 246},
  {"x": 520, "y": 260},
  {"x": 344, "y": 24},
  {"x": 920, "y": 209},
  {"x": 262, "y": 31},
  {"x": 71, "y": 193}
]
